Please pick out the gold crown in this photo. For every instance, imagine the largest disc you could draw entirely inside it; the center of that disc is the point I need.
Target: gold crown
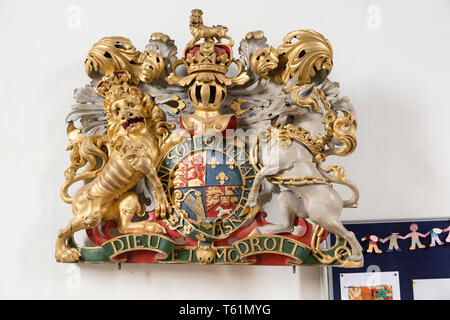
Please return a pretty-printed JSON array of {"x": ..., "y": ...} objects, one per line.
[
  {"x": 208, "y": 57},
  {"x": 112, "y": 79}
]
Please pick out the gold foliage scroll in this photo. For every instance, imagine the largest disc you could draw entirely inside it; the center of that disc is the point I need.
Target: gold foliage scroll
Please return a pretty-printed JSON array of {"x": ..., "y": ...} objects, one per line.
[
  {"x": 343, "y": 130},
  {"x": 112, "y": 54},
  {"x": 264, "y": 61},
  {"x": 305, "y": 58}
]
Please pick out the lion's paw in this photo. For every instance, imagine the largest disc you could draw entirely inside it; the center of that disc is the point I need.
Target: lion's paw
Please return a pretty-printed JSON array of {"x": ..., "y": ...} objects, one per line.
[
  {"x": 162, "y": 209},
  {"x": 67, "y": 255},
  {"x": 153, "y": 227}
]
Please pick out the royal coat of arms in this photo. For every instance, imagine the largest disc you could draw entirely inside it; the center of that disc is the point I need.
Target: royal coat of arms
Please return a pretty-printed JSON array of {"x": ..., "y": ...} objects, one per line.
[{"x": 177, "y": 158}]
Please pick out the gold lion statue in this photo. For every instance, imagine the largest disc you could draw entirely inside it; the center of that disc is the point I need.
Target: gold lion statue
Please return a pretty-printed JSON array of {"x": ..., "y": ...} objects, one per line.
[
  {"x": 137, "y": 136},
  {"x": 200, "y": 31}
]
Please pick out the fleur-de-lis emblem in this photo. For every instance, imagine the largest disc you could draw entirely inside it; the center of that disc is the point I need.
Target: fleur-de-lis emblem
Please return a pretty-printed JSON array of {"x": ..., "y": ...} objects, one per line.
[
  {"x": 213, "y": 162},
  {"x": 231, "y": 164},
  {"x": 222, "y": 178}
]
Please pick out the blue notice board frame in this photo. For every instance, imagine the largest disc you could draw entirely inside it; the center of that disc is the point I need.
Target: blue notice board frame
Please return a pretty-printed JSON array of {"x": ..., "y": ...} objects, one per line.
[{"x": 426, "y": 263}]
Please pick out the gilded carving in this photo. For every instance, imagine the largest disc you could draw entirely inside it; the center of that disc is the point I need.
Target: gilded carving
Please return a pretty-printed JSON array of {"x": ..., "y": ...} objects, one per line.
[
  {"x": 179, "y": 156},
  {"x": 113, "y": 54},
  {"x": 136, "y": 134}
]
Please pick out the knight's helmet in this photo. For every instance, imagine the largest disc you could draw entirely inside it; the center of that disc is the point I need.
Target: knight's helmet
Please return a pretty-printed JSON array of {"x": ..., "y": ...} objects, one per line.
[{"x": 209, "y": 61}]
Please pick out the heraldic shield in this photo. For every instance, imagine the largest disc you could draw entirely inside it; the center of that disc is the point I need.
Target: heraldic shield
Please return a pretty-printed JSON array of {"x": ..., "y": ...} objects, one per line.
[
  {"x": 208, "y": 179},
  {"x": 180, "y": 156}
]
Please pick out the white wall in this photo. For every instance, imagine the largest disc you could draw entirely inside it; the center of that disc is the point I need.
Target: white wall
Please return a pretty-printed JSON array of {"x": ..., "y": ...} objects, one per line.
[{"x": 395, "y": 70}]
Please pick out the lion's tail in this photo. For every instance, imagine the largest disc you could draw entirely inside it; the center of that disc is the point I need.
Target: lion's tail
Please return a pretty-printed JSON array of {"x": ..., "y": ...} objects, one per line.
[
  {"x": 70, "y": 180},
  {"x": 84, "y": 150}
]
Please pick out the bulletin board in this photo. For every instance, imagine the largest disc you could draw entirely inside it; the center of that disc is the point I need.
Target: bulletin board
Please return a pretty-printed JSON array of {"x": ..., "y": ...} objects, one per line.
[{"x": 428, "y": 258}]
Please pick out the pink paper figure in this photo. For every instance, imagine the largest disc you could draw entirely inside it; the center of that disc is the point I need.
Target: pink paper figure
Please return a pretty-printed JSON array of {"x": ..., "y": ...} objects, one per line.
[
  {"x": 434, "y": 233},
  {"x": 414, "y": 235},
  {"x": 372, "y": 243},
  {"x": 448, "y": 236},
  {"x": 393, "y": 244}
]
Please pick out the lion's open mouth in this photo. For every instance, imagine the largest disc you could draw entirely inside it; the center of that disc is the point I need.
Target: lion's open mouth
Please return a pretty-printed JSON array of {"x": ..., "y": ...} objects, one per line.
[{"x": 132, "y": 122}]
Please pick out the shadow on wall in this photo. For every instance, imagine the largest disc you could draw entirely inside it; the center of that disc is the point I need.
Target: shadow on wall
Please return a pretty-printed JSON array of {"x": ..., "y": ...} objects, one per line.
[{"x": 394, "y": 165}]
